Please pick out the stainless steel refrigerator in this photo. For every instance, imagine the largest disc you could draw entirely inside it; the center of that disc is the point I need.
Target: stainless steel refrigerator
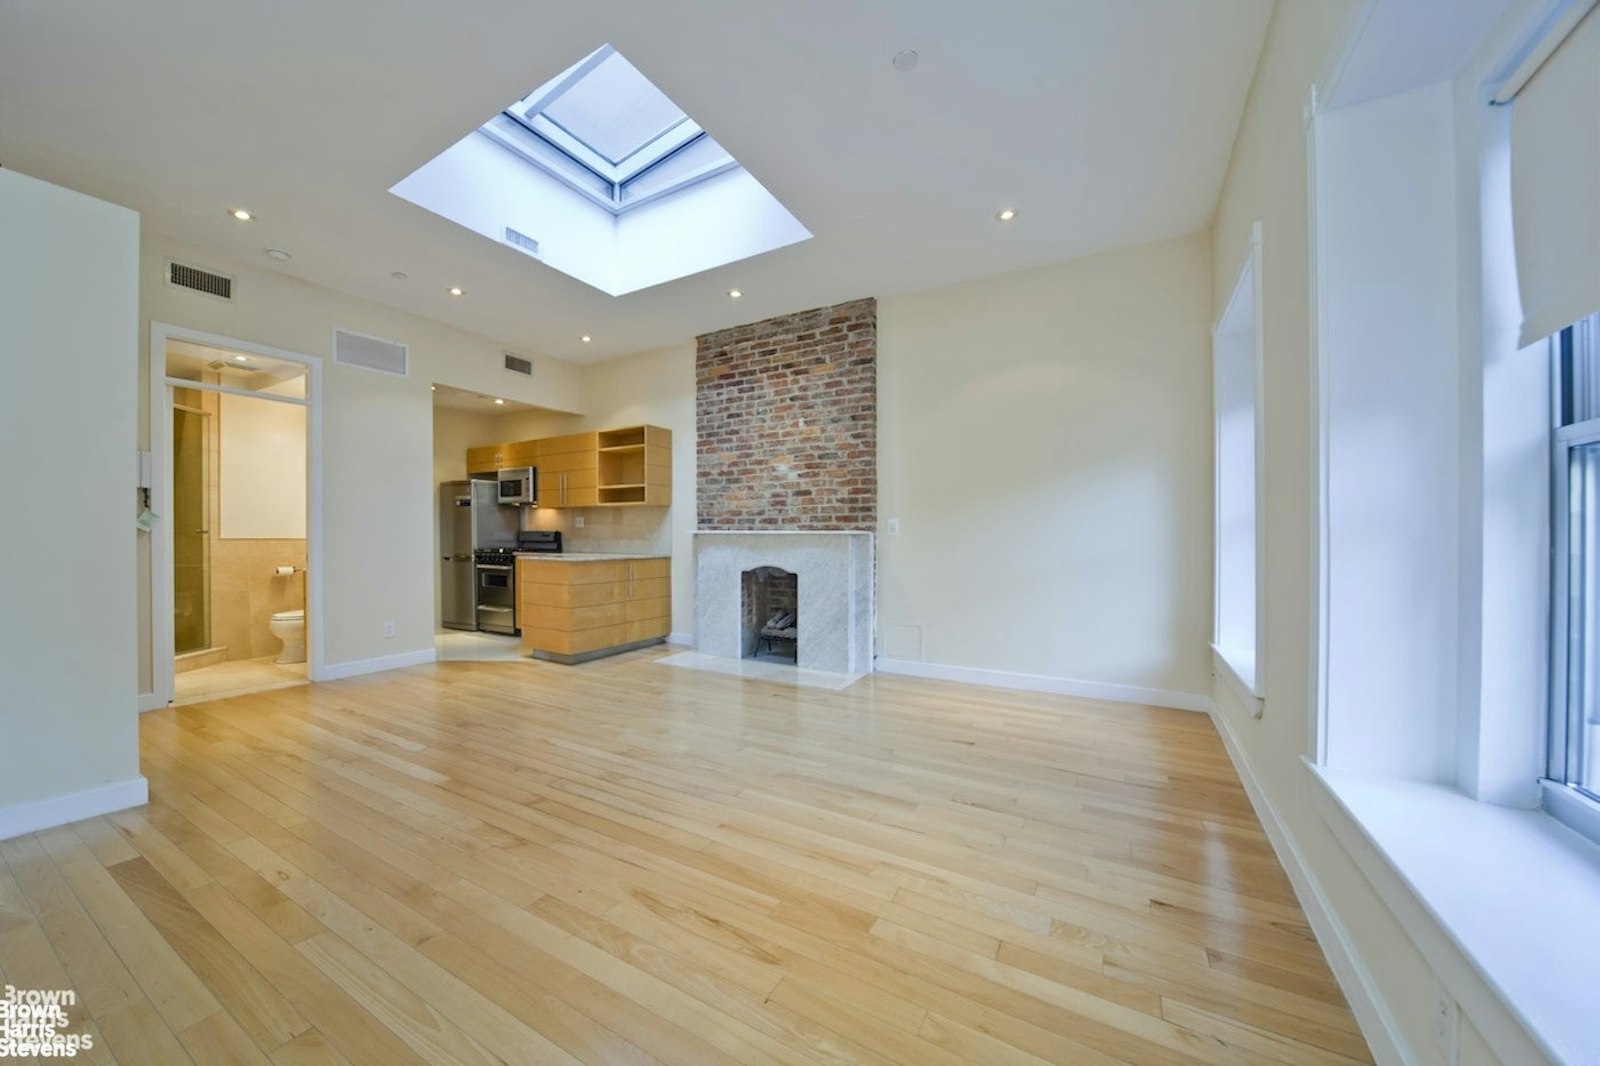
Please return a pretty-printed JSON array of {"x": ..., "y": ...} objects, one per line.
[{"x": 470, "y": 517}]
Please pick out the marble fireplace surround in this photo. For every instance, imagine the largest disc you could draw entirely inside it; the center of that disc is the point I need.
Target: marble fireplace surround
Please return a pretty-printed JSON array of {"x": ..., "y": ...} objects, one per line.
[{"x": 835, "y": 572}]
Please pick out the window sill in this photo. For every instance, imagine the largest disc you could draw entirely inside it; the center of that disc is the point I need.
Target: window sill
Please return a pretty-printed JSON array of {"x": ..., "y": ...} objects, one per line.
[
  {"x": 1514, "y": 893},
  {"x": 1237, "y": 668}
]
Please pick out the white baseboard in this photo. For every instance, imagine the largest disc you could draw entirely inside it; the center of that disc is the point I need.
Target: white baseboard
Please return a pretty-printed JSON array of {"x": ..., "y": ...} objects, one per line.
[
  {"x": 73, "y": 807},
  {"x": 1355, "y": 979},
  {"x": 149, "y": 701},
  {"x": 685, "y": 639},
  {"x": 1061, "y": 686},
  {"x": 357, "y": 667}
]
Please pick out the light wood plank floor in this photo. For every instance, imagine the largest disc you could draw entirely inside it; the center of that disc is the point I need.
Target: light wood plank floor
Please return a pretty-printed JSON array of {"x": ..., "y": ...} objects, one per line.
[{"x": 625, "y": 862}]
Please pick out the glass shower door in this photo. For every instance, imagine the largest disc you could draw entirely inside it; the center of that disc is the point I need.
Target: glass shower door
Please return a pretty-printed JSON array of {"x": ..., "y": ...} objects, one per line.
[{"x": 191, "y": 534}]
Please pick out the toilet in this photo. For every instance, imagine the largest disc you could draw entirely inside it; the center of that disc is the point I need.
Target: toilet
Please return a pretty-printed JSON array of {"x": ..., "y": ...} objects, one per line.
[{"x": 290, "y": 627}]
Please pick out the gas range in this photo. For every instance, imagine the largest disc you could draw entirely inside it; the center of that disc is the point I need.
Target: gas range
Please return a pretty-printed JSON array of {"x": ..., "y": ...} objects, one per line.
[{"x": 494, "y": 556}]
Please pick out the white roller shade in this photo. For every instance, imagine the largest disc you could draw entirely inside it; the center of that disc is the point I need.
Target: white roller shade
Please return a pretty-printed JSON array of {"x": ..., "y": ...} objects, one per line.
[{"x": 1555, "y": 185}]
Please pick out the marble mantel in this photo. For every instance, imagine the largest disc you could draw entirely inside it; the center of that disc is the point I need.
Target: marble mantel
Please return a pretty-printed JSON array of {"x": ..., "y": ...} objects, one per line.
[{"x": 835, "y": 571}]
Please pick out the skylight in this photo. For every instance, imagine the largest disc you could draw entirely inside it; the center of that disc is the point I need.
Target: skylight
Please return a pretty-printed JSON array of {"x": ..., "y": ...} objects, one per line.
[
  {"x": 598, "y": 174},
  {"x": 604, "y": 130}
]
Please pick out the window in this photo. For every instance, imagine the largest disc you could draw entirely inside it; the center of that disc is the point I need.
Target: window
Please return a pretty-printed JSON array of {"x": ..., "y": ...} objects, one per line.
[
  {"x": 606, "y": 131},
  {"x": 1236, "y": 372},
  {"x": 1575, "y": 601}
]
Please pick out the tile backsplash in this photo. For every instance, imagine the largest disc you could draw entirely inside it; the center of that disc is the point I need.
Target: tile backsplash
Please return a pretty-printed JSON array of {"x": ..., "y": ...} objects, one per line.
[{"x": 626, "y": 530}]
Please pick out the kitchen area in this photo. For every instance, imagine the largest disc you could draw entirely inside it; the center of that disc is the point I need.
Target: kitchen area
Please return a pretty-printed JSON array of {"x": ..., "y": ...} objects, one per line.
[{"x": 555, "y": 547}]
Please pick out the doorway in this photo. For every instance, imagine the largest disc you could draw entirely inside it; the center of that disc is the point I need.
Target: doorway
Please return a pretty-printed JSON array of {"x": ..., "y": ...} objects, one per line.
[{"x": 235, "y": 605}]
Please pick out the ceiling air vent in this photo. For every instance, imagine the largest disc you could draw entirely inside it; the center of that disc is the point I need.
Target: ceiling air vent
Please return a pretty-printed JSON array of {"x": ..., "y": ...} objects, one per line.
[
  {"x": 518, "y": 364},
  {"x": 371, "y": 353},
  {"x": 522, "y": 240},
  {"x": 192, "y": 277}
]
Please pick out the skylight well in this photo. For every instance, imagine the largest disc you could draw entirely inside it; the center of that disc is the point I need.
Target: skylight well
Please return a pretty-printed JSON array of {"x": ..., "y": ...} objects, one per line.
[{"x": 598, "y": 174}]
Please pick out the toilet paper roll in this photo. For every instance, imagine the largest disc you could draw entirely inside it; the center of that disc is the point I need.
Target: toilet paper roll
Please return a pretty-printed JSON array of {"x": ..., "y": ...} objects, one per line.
[{"x": 284, "y": 571}]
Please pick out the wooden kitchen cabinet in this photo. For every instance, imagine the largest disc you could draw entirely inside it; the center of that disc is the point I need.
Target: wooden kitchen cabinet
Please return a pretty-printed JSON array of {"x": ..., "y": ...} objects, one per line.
[
  {"x": 630, "y": 466},
  {"x": 571, "y": 610},
  {"x": 489, "y": 458},
  {"x": 568, "y": 470}
]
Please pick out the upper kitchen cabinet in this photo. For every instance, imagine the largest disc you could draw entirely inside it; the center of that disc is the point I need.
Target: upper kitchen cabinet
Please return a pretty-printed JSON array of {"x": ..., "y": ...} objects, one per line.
[
  {"x": 626, "y": 467},
  {"x": 568, "y": 470},
  {"x": 635, "y": 466},
  {"x": 489, "y": 458}
]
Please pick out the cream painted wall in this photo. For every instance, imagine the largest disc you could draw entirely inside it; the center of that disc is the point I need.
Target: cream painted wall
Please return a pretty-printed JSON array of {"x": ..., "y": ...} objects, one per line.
[
  {"x": 68, "y": 311},
  {"x": 262, "y": 468},
  {"x": 378, "y": 455},
  {"x": 1044, "y": 440},
  {"x": 653, "y": 388}
]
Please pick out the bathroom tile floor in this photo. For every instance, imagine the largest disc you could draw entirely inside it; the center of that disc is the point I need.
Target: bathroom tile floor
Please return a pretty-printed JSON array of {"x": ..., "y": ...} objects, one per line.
[{"x": 236, "y": 678}]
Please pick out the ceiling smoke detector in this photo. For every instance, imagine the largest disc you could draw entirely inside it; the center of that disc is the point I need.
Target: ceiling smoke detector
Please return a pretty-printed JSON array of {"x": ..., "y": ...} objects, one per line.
[{"x": 906, "y": 60}]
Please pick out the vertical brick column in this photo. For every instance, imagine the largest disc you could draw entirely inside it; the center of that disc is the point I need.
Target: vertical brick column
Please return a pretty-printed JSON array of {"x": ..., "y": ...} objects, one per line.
[{"x": 786, "y": 412}]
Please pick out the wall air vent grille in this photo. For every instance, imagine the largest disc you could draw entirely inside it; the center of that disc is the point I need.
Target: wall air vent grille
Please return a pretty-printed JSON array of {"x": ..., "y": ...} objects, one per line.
[
  {"x": 370, "y": 353},
  {"x": 192, "y": 277},
  {"x": 518, "y": 364},
  {"x": 522, "y": 241}
]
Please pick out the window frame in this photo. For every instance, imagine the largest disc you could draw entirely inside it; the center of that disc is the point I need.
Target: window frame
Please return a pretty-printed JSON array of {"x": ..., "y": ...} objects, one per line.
[
  {"x": 1248, "y": 681},
  {"x": 1577, "y": 805}
]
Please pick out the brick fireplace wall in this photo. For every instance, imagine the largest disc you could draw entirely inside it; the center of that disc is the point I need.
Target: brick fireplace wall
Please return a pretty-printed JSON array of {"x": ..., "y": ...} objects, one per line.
[{"x": 786, "y": 412}]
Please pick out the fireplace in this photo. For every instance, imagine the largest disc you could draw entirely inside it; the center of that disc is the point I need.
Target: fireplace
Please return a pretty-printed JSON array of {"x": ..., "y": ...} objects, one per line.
[
  {"x": 828, "y": 574},
  {"x": 770, "y": 607}
]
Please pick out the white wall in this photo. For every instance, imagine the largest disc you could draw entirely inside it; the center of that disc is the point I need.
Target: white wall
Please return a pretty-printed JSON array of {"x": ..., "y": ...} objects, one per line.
[
  {"x": 1044, "y": 440},
  {"x": 1399, "y": 163},
  {"x": 262, "y": 468},
  {"x": 378, "y": 456},
  {"x": 69, "y": 308},
  {"x": 1387, "y": 266}
]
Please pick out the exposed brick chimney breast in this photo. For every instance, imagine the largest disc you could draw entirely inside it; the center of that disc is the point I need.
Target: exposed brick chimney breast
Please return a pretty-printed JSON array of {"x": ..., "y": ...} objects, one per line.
[{"x": 787, "y": 417}]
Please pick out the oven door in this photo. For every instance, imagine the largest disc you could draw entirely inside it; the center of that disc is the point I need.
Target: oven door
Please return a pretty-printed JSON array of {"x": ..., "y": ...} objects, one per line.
[{"x": 497, "y": 599}]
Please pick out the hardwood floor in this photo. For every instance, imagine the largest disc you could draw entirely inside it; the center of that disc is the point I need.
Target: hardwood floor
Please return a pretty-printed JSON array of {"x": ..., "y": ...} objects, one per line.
[{"x": 624, "y": 862}]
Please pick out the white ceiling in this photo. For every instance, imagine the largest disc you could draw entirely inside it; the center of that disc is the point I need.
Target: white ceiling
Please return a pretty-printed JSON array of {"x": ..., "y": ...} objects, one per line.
[{"x": 1106, "y": 123}]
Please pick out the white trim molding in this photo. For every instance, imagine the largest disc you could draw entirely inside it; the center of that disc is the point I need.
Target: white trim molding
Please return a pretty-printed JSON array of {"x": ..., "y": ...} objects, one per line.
[
  {"x": 1355, "y": 980},
  {"x": 685, "y": 639},
  {"x": 73, "y": 807},
  {"x": 1060, "y": 686},
  {"x": 358, "y": 667}
]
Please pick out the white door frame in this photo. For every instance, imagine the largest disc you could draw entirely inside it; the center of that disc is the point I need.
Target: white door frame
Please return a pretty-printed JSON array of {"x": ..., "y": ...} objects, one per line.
[{"x": 162, "y": 637}]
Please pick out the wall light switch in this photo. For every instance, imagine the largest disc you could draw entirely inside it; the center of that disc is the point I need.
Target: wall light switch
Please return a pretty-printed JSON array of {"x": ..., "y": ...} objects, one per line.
[
  {"x": 577, "y": 521},
  {"x": 892, "y": 527}
]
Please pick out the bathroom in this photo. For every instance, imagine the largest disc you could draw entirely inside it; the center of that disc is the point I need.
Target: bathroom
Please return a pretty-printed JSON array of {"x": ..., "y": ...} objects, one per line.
[{"x": 238, "y": 524}]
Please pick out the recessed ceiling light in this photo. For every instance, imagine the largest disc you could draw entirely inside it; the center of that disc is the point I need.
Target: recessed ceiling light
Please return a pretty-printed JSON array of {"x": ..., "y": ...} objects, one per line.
[
  {"x": 498, "y": 401},
  {"x": 433, "y": 388},
  {"x": 241, "y": 359},
  {"x": 279, "y": 254},
  {"x": 586, "y": 338},
  {"x": 1007, "y": 215},
  {"x": 734, "y": 294},
  {"x": 242, "y": 215},
  {"x": 399, "y": 275},
  {"x": 906, "y": 60},
  {"x": 456, "y": 290}
]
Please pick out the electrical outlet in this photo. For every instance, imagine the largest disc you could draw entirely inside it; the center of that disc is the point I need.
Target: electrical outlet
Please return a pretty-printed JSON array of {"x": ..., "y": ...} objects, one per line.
[
  {"x": 893, "y": 527},
  {"x": 1446, "y": 1026},
  {"x": 577, "y": 521},
  {"x": 388, "y": 629}
]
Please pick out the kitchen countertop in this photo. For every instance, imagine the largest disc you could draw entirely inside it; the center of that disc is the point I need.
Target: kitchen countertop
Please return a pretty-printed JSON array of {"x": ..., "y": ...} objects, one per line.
[{"x": 585, "y": 557}]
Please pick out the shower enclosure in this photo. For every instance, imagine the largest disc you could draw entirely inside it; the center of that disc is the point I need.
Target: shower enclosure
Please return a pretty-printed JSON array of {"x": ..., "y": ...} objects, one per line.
[{"x": 191, "y": 541}]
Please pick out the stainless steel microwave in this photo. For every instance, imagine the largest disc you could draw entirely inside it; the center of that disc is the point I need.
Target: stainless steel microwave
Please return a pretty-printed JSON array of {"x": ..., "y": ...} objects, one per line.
[{"x": 519, "y": 485}]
